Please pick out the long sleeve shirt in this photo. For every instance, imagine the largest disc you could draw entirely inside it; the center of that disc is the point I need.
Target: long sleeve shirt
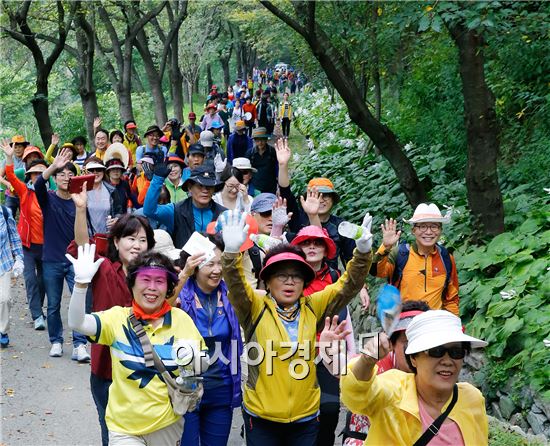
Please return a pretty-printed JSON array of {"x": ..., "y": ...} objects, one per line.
[{"x": 10, "y": 242}]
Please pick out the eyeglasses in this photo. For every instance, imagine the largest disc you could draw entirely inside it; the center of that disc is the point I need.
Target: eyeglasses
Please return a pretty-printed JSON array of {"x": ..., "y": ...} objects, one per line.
[
  {"x": 454, "y": 352},
  {"x": 65, "y": 175},
  {"x": 265, "y": 214},
  {"x": 423, "y": 227},
  {"x": 283, "y": 277},
  {"x": 232, "y": 186}
]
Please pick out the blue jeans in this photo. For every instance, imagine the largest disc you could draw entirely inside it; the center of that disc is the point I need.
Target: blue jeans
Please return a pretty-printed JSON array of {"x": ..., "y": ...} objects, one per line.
[
  {"x": 54, "y": 274},
  {"x": 261, "y": 432},
  {"x": 210, "y": 424},
  {"x": 32, "y": 259},
  {"x": 100, "y": 393}
]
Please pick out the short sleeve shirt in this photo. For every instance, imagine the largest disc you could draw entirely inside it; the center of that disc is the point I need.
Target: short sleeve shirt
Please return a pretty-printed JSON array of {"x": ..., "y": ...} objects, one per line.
[{"x": 138, "y": 397}]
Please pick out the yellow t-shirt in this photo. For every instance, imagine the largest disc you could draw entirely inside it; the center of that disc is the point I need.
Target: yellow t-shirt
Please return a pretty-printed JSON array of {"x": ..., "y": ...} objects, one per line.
[{"x": 138, "y": 398}]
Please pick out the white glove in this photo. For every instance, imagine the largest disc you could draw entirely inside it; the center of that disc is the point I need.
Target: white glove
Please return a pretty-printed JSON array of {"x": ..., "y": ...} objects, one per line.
[
  {"x": 84, "y": 266},
  {"x": 279, "y": 220},
  {"x": 219, "y": 164},
  {"x": 18, "y": 267},
  {"x": 234, "y": 230},
  {"x": 364, "y": 243}
]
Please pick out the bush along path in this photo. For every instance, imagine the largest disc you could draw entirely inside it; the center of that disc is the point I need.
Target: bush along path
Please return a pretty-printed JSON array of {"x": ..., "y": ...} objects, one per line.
[{"x": 504, "y": 282}]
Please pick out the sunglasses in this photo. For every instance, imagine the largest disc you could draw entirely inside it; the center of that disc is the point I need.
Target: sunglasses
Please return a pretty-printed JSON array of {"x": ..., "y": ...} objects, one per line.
[
  {"x": 96, "y": 170},
  {"x": 454, "y": 352},
  {"x": 266, "y": 214}
]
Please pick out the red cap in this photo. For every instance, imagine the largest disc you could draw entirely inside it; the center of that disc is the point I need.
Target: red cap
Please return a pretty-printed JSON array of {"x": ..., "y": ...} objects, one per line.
[
  {"x": 214, "y": 87},
  {"x": 192, "y": 115},
  {"x": 315, "y": 232},
  {"x": 309, "y": 274},
  {"x": 131, "y": 125}
]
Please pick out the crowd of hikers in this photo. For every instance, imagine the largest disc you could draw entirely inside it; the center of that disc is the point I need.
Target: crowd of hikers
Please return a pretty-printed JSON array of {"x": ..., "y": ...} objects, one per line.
[{"x": 204, "y": 283}]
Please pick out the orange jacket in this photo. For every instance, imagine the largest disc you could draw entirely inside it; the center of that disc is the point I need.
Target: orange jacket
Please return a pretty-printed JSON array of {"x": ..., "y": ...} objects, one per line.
[
  {"x": 140, "y": 186},
  {"x": 423, "y": 277},
  {"x": 30, "y": 226}
]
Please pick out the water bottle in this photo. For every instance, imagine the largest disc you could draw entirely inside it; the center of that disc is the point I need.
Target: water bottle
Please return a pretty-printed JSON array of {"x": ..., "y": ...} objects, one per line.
[
  {"x": 350, "y": 230},
  {"x": 389, "y": 308},
  {"x": 264, "y": 242}
]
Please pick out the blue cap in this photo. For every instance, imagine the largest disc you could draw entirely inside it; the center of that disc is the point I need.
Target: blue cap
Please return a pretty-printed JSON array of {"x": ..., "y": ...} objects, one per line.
[{"x": 263, "y": 202}]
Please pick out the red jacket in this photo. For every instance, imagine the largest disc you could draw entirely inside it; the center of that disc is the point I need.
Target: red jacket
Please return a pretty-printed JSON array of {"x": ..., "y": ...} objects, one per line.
[
  {"x": 30, "y": 226},
  {"x": 324, "y": 277}
]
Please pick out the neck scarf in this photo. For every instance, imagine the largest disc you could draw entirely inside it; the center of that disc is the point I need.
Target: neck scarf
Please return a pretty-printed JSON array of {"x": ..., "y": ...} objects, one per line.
[
  {"x": 289, "y": 314},
  {"x": 140, "y": 314}
]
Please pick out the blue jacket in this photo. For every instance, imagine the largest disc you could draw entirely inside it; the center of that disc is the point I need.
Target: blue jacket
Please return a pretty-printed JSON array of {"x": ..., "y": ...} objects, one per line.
[{"x": 188, "y": 304}]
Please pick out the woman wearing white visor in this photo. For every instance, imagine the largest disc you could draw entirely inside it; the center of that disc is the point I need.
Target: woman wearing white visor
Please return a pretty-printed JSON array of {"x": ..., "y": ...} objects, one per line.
[{"x": 410, "y": 408}]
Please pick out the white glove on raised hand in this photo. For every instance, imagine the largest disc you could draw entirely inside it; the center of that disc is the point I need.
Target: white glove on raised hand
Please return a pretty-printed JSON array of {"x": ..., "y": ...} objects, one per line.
[
  {"x": 364, "y": 243},
  {"x": 234, "y": 230},
  {"x": 84, "y": 266},
  {"x": 18, "y": 267},
  {"x": 219, "y": 164}
]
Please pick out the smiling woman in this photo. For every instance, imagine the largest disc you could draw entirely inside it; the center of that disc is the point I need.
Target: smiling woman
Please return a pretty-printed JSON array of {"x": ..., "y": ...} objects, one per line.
[
  {"x": 409, "y": 408},
  {"x": 139, "y": 403},
  {"x": 204, "y": 299}
]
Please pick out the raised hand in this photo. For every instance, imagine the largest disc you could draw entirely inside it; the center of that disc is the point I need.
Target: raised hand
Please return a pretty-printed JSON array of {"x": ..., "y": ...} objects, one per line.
[
  {"x": 55, "y": 139},
  {"x": 162, "y": 170},
  {"x": 97, "y": 123},
  {"x": 311, "y": 203},
  {"x": 234, "y": 230},
  {"x": 81, "y": 199},
  {"x": 377, "y": 347},
  {"x": 84, "y": 265},
  {"x": 333, "y": 330},
  {"x": 6, "y": 147},
  {"x": 364, "y": 243},
  {"x": 279, "y": 217},
  {"x": 390, "y": 234},
  {"x": 191, "y": 264},
  {"x": 62, "y": 158},
  {"x": 283, "y": 151}
]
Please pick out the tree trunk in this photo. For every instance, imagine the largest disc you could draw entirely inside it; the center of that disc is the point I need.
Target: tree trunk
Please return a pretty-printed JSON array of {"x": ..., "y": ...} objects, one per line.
[
  {"x": 41, "y": 110},
  {"x": 155, "y": 83},
  {"x": 190, "y": 94},
  {"x": 224, "y": 62},
  {"x": 484, "y": 196},
  {"x": 196, "y": 86},
  {"x": 239, "y": 60},
  {"x": 176, "y": 81},
  {"x": 209, "y": 79},
  {"x": 137, "y": 84}
]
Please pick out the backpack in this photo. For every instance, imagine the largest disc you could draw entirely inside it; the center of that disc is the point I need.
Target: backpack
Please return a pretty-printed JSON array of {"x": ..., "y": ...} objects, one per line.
[{"x": 403, "y": 257}]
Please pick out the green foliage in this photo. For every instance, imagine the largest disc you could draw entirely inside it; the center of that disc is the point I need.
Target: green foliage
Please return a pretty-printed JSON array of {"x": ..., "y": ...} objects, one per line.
[
  {"x": 501, "y": 435},
  {"x": 504, "y": 284}
]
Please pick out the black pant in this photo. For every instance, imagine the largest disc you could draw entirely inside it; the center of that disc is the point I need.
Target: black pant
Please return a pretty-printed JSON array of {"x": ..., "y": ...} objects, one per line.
[
  {"x": 328, "y": 421},
  {"x": 285, "y": 124},
  {"x": 100, "y": 393},
  {"x": 261, "y": 432}
]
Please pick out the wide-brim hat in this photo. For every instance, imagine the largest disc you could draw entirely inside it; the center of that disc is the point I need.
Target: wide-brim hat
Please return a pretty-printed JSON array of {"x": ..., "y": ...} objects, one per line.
[
  {"x": 165, "y": 245},
  {"x": 434, "y": 328},
  {"x": 37, "y": 168},
  {"x": 204, "y": 176},
  {"x": 324, "y": 186},
  {"x": 119, "y": 151},
  {"x": 115, "y": 164},
  {"x": 19, "y": 139},
  {"x": 215, "y": 226},
  {"x": 242, "y": 163},
  {"x": 428, "y": 213},
  {"x": 32, "y": 149},
  {"x": 153, "y": 129},
  {"x": 315, "y": 232},
  {"x": 260, "y": 133},
  {"x": 288, "y": 257},
  {"x": 94, "y": 165},
  {"x": 175, "y": 159}
]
